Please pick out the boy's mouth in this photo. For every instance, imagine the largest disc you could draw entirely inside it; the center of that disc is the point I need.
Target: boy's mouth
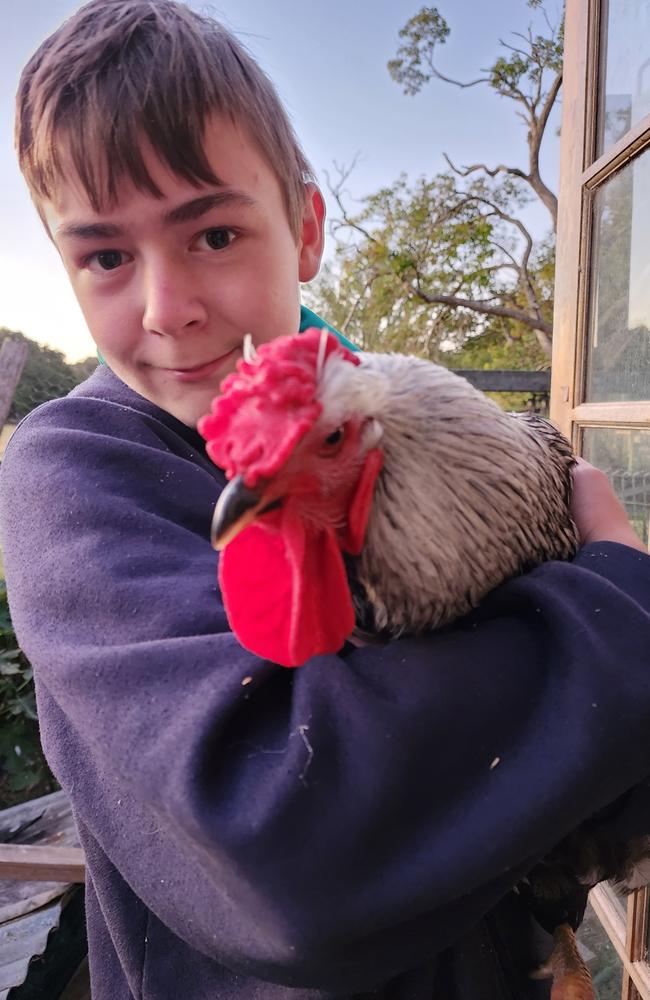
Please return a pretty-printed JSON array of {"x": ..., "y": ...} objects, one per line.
[{"x": 203, "y": 370}]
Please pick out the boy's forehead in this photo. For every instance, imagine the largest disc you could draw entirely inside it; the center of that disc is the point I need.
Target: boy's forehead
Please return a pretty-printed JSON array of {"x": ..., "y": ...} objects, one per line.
[{"x": 241, "y": 174}]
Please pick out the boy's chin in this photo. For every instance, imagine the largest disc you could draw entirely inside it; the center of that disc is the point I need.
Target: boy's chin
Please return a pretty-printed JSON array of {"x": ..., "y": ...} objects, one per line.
[
  {"x": 187, "y": 405},
  {"x": 187, "y": 401},
  {"x": 189, "y": 411}
]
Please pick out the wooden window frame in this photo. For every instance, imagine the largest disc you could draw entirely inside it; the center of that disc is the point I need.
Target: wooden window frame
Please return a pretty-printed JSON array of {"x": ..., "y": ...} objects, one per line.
[
  {"x": 582, "y": 174},
  {"x": 580, "y": 178}
]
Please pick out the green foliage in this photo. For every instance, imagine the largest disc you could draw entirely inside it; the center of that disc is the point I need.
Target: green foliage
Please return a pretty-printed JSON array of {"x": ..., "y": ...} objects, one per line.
[
  {"x": 46, "y": 375},
  {"x": 421, "y": 33},
  {"x": 519, "y": 351},
  {"x": 445, "y": 264},
  {"x": 411, "y": 244},
  {"x": 510, "y": 75},
  {"x": 83, "y": 369},
  {"x": 24, "y": 774},
  {"x": 516, "y": 349}
]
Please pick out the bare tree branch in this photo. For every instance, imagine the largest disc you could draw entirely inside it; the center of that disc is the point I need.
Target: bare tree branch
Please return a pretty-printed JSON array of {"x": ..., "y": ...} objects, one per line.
[
  {"x": 476, "y": 305},
  {"x": 457, "y": 83},
  {"x": 491, "y": 171},
  {"x": 551, "y": 97}
]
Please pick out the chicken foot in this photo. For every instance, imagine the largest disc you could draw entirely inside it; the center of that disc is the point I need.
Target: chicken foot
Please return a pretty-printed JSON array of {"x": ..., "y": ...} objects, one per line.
[{"x": 571, "y": 977}]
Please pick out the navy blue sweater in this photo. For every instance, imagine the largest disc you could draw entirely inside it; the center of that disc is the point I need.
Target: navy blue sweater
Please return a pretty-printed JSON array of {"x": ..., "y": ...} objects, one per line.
[{"x": 353, "y": 827}]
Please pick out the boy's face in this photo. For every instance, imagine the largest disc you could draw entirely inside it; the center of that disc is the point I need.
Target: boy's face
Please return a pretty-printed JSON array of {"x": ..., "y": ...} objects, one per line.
[{"x": 169, "y": 286}]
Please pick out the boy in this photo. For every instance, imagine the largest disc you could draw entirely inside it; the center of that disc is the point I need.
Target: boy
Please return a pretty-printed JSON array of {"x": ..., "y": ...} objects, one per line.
[{"x": 250, "y": 831}]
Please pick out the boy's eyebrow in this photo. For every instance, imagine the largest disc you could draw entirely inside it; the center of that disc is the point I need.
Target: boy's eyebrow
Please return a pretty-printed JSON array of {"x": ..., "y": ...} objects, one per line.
[
  {"x": 194, "y": 209},
  {"x": 186, "y": 212},
  {"x": 89, "y": 230}
]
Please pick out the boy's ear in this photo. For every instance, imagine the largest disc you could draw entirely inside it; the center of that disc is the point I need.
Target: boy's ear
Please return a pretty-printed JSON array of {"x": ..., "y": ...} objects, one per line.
[{"x": 312, "y": 237}]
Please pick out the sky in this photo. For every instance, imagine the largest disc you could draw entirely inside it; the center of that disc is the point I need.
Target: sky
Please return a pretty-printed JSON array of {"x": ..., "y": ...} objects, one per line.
[{"x": 328, "y": 60}]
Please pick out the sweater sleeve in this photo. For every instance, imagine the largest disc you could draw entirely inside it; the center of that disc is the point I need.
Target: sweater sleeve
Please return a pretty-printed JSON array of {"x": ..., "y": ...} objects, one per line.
[{"x": 328, "y": 826}]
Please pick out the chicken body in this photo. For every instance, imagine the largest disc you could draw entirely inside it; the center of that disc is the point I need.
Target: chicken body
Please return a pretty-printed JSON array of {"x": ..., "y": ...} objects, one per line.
[{"x": 468, "y": 495}]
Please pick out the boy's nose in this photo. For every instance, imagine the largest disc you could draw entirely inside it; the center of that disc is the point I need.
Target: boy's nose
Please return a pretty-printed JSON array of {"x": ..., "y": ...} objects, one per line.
[{"x": 171, "y": 302}]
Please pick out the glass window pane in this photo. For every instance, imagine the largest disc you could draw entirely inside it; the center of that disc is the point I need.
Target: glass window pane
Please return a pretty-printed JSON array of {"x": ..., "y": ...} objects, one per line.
[
  {"x": 618, "y": 360},
  {"x": 624, "y": 454},
  {"x": 601, "y": 957},
  {"x": 625, "y": 69}
]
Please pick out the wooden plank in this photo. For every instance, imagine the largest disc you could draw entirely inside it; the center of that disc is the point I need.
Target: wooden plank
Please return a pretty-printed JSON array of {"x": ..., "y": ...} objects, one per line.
[
  {"x": 601, "y": 899},
  {"x": 46, "y": 821},
  {"x": 637, "y": 927},
  {"x": 506, "y": 380},
  {"x": 625, "y": 414},
  {"x": 630, "y": 991},
  {"x": 13, "y": 355},
  {"x": 567, "y": 339},
  {"x": 632, "y": 143},
  {"x": 32, "y": 863},
  {"x": 47, "y": 817},
  {"x": 19, "y": 898}
]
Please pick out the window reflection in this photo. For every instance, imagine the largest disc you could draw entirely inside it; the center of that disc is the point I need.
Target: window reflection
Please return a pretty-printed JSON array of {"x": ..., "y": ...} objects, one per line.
[
  {"x": 619, "y": 323},
  {"x": 625, "y": 69}
]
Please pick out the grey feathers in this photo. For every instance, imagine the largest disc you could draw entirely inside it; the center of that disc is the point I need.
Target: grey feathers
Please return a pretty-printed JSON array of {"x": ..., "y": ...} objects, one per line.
[{"x": 469, "y": 495}]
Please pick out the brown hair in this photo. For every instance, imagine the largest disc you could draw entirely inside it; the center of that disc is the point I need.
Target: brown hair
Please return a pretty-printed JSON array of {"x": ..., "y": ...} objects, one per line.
[{"x": 119, "y": 70}]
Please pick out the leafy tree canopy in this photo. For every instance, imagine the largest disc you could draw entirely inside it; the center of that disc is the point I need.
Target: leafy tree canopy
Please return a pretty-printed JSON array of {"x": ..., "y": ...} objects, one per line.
[
  {"x": 446, "y": 264},
  {"x": 46, "y": 375}
]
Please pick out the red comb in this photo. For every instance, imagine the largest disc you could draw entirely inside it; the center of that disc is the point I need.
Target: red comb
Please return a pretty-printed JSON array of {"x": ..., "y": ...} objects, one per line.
[{"x": 268, "y": 405}]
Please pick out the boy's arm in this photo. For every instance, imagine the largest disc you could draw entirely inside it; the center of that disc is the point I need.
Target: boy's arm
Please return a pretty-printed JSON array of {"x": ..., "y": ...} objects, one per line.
[{"x": 329, "y": 826}]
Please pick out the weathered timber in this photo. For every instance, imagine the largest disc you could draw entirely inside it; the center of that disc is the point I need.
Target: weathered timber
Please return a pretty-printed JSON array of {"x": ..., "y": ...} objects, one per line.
[
  {"x": 42, "y": 932},
  {"x": 44, "y": 822},
  {"x": 13, "y": 354},
  {"x": 40, "y": 953},
  {"x": 23, "y": 939},
  {"x": 29, "y": 863},
  {"x": 497, "y": 380}
]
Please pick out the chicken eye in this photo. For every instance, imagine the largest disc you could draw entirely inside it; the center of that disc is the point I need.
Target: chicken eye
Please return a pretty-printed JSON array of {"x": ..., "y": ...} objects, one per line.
[{"x": 334, "y": 437}]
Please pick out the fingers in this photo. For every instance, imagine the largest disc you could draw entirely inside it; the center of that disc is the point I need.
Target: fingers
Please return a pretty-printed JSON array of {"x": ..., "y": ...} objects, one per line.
[{"x": 597, "y": 511}]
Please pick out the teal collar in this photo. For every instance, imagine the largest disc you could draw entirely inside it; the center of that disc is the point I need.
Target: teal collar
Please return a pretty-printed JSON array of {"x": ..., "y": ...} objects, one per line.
[{"x": 307, "y": 319}]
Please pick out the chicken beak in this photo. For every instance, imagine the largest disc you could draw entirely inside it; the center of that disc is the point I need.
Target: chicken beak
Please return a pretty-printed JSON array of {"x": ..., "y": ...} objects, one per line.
[{"x": 237, "y": 506}]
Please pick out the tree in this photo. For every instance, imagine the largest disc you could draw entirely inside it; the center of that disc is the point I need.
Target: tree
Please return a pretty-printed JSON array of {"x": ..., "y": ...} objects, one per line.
[
  {"x": 46, "y": 375},
  {"x": 429, "y": 265},
  {"x": 82, "y": 369}
]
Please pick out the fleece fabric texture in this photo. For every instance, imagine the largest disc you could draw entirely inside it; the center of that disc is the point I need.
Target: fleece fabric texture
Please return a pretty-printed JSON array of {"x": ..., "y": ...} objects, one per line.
[{"x": 351, "y": 828}]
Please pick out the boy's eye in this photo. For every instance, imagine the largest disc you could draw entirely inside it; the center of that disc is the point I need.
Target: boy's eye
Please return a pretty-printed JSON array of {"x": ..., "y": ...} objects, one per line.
[
  {"x": 108, "y": 260},
  {"x": 219, "y": 239},
  {"x": 105, "y": 260}
]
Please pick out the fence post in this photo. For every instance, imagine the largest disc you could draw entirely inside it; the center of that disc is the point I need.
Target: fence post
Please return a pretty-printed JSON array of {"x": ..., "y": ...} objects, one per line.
[{"x": 13, "y": 355}]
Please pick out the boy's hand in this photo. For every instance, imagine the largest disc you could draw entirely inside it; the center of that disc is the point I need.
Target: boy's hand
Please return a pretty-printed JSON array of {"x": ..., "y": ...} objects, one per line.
[{"x": 597, "y": 511}]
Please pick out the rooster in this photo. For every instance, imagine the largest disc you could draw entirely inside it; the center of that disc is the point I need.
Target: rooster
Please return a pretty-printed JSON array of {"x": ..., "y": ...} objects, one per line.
[
  {"x": 384, "y": 495},
  {"x": 377, "y": 490}
]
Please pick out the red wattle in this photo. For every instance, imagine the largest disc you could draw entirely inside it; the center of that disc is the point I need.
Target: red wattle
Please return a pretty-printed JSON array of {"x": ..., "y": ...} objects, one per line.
[
  {"x": 354, "y": 532},
  {"x": 285, "y": 591}
]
